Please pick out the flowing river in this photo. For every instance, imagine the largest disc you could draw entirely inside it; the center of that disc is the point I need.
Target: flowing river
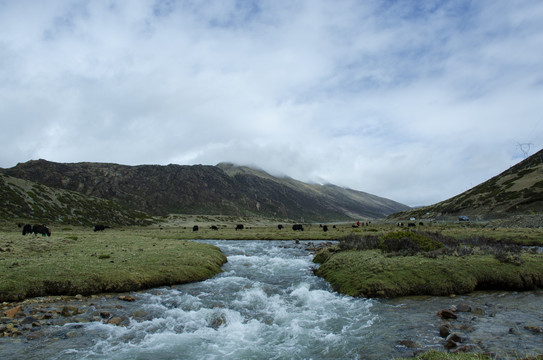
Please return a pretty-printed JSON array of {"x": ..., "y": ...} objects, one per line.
[{"x": 267, "y": 304}]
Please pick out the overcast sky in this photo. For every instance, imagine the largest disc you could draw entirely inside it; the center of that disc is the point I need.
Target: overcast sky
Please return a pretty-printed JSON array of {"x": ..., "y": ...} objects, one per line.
[{"x": 416, "y": 101}]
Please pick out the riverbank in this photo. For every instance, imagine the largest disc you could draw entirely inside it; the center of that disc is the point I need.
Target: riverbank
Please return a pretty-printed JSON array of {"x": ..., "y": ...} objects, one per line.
[
  {"x": 80, "y": 261},
  {"x": 265, "y": 303},
  {"x": 76, "y": 260},
  {"x": 372, "y": 273}
]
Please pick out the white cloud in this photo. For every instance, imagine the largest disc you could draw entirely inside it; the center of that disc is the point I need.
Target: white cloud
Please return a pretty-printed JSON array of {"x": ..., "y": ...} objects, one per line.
[{"x": 415, "y": 102}]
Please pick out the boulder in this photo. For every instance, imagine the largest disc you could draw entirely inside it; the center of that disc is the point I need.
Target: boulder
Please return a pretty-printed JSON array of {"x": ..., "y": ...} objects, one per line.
[
  {"x": 408, "y": 344},
  {"x": 13, "y": 311},
  {"x": 114, "y": 321},
  {"x": 455, "y": 337},
  {"x": 534, "y": 329},
  {"x": 478, "y": 311},
  {"x": 127, "y": 298},
  {"x": 105, "y": 314},
  {"x": 463, "y": 308},
  {"x": 69, "y": 310},
  {"x": 29, "y": 320},
  {"x": 444, "y": 331},
  {"x": 447, "y": 314},
  {"x": 450, "y": 344}
]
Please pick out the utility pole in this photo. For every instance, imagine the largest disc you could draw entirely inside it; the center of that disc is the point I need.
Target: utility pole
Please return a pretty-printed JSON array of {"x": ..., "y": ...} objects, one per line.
[{"x": 525, "y": 148}]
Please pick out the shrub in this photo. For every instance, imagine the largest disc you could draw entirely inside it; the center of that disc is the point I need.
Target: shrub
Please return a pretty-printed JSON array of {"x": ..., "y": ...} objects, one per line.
[
  {"x": 409, "y": 242},
  {"x": 355, "y": 242},
  {"x": 508, "y": 255},
  {"x": 402, "y": 246}
]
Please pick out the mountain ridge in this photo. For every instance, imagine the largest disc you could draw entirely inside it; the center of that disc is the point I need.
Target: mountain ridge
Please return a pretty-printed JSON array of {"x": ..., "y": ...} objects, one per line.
[
  {"x": 515, "y": 191},
  {"x": 224, "y": 189},
  {"x": 26, "y": 200}
]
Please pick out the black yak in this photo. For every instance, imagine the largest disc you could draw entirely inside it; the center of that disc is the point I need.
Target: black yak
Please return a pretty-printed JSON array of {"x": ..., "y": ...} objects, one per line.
[
  {"x": 100, "y": 227},
  {"x": 27, "y": 229},
  {"x": 41, "y": 229}
]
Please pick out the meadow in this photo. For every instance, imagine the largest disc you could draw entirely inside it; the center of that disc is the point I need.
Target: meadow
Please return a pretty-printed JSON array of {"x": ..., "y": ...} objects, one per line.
[
  {"x": 439, "y": 260},
  {"x": 76, "y": 260},
  {"x": 79, "y": 261}
]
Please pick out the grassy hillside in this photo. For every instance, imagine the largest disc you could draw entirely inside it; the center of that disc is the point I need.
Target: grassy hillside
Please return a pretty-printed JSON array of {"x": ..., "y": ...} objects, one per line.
[
  {"x": 27, "y": 201},
  {"x": 516, "y": 191},
  {"x": 219, "y": 190}
]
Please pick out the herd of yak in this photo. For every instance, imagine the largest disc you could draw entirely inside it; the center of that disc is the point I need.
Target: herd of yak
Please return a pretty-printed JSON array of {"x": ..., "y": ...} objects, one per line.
[
  {"x": 295, "y": 227},
  {"x": 44, "y": 230},
  {"x": 36, "y": 229}
]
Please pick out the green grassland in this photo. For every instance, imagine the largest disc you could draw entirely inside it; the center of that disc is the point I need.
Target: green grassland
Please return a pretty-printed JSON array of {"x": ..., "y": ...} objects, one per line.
[
  {"x": 79, "y": 261},
  {"x": 373, "y": 274},
  {"x": 437, "y": 260},
  {"x": 266, "y": 229},
  {"x": 76, "y": 260}
]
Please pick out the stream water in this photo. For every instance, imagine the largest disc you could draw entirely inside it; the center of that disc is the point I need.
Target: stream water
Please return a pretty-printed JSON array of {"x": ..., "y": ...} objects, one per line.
[{"x": 267, "y": 304}]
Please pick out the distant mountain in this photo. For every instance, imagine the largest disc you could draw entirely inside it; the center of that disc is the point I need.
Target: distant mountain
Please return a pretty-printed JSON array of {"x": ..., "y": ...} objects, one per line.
[
  {"x": 516, "y": 191},
  {"x": 26, "y": 201},
  {"x": 224, "y": 189}
]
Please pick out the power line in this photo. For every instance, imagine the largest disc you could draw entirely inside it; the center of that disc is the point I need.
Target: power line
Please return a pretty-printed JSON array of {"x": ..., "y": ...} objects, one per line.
[{"x": 525, "y": 148}]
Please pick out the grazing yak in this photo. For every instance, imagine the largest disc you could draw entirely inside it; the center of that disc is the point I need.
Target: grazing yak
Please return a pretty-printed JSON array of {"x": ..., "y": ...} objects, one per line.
[
  {"x": 195, "y": 228},
  {"x": 27, "y": 229},
  {"x": 41, "y": 229},
  {"x": 279, "y": 226},
  {"x": 239, "y": 227},
  {"x": 100, "y": 227},
  {"x": 213, "y": 227},
  {"x": 325, "y": 228},
  {"x": 297, "y": 227}
]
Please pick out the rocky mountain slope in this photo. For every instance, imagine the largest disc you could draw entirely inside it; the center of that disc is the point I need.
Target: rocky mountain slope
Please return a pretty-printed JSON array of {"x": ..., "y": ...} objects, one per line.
[
  {"x": 224, "y": 189},
  {"x": 24, "y": 200},
  {"x": 516, "y": 191}
]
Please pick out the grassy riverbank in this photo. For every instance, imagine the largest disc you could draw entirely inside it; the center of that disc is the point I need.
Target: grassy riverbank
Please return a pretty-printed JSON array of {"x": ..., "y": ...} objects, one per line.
[
  {"x": 406, "y": 263},
  {"x": 80, "y": 261},
  {"x": 372, "y": 274},
  {"x": 77, "y": 260}
]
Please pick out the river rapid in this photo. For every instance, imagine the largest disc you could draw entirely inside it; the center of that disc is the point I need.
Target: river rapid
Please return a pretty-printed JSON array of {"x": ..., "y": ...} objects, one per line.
[{"x": 268, "y": 304}]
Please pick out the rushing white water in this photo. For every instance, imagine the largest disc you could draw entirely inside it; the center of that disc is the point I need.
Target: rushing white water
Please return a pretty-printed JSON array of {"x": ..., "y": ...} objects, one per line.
[{"x": 267, "y": 304}]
